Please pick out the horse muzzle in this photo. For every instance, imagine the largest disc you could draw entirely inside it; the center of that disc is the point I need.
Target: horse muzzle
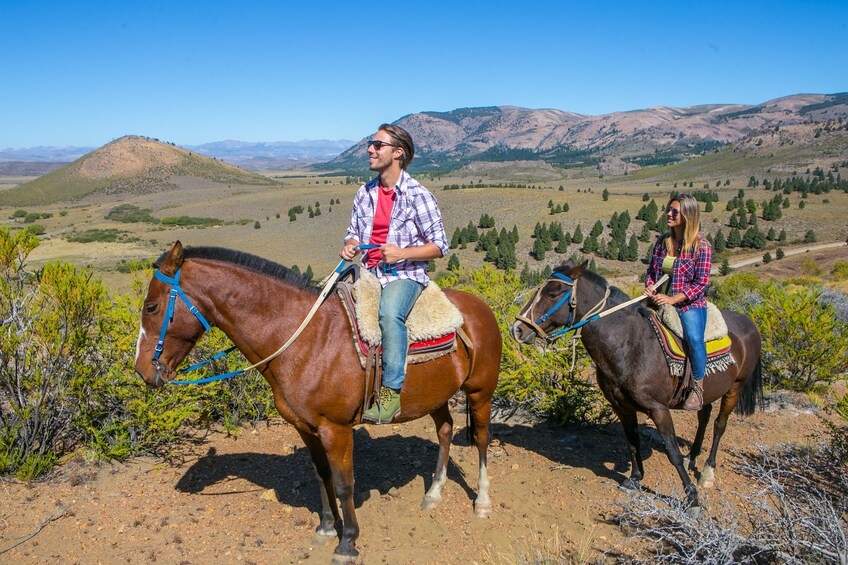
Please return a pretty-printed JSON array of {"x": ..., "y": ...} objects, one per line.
[
  {"x": 159, "y": 377},
  {"x": 522, "y": 333}
]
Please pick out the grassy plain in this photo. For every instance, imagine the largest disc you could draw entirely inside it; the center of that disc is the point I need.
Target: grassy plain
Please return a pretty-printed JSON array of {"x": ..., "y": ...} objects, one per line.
[{"x": 316, "y": 241}]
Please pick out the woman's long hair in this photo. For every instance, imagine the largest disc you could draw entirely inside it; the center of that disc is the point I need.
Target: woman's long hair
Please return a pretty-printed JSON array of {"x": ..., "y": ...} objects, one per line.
[{"x": 691, "y": 213}]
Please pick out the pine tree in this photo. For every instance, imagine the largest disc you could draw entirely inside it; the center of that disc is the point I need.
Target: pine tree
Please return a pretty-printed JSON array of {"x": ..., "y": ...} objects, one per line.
[{"x": 453, "y": 262}]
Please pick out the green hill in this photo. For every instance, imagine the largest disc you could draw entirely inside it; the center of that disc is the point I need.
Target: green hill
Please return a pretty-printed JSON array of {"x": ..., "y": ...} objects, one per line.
[{"x": 129, "y": 165}]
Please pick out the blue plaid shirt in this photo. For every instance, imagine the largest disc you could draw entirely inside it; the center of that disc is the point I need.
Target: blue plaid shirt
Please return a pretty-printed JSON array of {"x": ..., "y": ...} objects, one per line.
[{"x": 416, "y": 220}]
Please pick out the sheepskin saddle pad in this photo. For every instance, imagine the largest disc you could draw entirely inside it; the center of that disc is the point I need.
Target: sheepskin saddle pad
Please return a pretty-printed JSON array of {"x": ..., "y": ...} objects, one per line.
[
  {"x": 716, "y": 327},
  {"x": 431, "y": 326}
]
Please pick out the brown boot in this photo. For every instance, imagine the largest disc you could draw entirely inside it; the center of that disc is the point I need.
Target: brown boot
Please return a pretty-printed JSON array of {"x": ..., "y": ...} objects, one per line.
[{"x": 695, "y": 400}]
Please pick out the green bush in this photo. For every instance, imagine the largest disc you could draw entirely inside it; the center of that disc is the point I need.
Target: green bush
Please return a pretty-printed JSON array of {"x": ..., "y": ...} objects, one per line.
[
  {"x": 99, "y": 235},
  {"x": 67, "y": 380},
  {"x": 840, "y": 271},
  {"x": 191, "y": 221},
  {"x": 804, "y": 341},
  {"x": 129, "y": 213}
]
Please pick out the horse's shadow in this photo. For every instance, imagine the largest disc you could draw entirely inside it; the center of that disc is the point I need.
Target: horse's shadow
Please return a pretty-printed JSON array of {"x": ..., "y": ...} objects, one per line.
[
  {"x": 393, "y": 461},
  {"x": 379, "y": 464},
  {"x": 600, "y": 448}
]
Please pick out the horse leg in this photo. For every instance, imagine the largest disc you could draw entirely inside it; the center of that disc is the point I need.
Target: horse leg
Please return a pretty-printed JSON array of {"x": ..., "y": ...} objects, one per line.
[
  {"x": 444, "y": 431},
  {"x": 728, "y": 403},
  {"x": 481, "y": 413},
  {"x": 630, "y": 423},
  {"x": 665, "y": 425},
  {"x": 703, "y": 419},
  {"x": 321, "y": 467},
  {"x": 338, "y": 445}
]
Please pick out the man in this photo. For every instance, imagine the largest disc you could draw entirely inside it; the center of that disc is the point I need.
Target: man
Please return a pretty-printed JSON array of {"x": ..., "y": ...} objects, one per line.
[{"x": 394, "y": 211}]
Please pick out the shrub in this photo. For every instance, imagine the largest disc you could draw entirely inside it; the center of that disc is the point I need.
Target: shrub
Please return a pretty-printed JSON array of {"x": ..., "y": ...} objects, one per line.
[
  {"x": 92, "y": 235},
  {"x": 129, "y": 213},
  {"x": 67, "y": 379},
  {"x": 191, "y": 221},
  {"x": 804, "y": 341},
  {"x": 840, "y": 271}
]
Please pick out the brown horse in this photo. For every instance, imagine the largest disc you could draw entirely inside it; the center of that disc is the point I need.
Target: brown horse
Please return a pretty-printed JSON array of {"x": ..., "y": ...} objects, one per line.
[
  {"x": 632, "y": 371},
  {"x": 318, "y": 383}
]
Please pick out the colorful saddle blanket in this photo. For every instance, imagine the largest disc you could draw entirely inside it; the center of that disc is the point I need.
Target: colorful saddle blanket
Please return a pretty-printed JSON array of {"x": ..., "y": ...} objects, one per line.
[
  {"x": 719, "y": 357},
  {"x": 427, "y": 339}
]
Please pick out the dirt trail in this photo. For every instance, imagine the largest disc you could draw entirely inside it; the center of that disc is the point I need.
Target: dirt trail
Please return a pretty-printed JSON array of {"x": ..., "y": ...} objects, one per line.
[{"x": 252, "y": 499}]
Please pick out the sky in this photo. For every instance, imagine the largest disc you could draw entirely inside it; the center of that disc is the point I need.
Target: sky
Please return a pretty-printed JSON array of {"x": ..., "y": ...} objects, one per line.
[{"x": 82, "y": 73}]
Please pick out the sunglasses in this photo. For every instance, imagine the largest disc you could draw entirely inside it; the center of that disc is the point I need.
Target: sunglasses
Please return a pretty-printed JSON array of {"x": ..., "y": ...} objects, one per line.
[
  {"x": 673, "y": 211},
  {"x": 377, "y": 144}
]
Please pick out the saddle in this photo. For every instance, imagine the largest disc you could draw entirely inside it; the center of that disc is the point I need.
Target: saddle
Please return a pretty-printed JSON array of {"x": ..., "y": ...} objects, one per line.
[
  {"x": 719, "y": 357},
  {"x": 432, "y": 327}
]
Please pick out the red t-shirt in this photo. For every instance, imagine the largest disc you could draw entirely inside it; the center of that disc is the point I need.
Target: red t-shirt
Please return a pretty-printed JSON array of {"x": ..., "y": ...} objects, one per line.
[{"x": 380, "y": 229}]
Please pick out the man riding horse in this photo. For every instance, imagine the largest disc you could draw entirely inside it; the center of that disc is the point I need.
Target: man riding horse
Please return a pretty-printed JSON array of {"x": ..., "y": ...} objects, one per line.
[{"x": 395, "y": 212}]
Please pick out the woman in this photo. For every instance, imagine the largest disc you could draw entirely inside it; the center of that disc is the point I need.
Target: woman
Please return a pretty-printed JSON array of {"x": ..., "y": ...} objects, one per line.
[{"x": 686, "y": 257}]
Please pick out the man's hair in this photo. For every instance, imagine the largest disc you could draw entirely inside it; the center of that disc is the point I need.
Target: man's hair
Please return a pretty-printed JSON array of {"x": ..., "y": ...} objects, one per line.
[{"x": 402, "y": 138}]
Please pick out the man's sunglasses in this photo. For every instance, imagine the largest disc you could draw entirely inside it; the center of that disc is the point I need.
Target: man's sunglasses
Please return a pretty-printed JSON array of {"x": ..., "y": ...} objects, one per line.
[{"x": 377, "y": 144}]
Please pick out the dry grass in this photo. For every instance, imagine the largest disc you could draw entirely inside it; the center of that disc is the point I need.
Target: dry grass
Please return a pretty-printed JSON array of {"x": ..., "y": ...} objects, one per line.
[{"x": 316, "y": 241}]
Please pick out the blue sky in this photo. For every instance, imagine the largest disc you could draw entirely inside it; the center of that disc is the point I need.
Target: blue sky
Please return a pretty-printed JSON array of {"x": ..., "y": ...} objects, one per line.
[{"x": 84, "y": 73}]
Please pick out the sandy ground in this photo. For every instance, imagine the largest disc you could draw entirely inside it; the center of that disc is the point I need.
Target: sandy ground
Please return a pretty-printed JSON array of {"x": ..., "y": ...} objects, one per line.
[{"x": 252, "y": 499}]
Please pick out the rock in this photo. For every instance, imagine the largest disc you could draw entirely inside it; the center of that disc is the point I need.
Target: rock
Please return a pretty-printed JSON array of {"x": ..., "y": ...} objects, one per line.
[{"x": 271, "y": 494}]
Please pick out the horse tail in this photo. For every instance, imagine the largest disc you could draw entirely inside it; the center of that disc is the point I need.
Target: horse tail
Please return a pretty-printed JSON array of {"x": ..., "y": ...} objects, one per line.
[{"x": 752, "y": 392}]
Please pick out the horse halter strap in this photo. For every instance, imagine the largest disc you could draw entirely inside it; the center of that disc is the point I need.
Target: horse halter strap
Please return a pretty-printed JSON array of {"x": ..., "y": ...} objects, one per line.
[
  {"x": 169, "y": 313},
  {"x": 570, "y": 297}
]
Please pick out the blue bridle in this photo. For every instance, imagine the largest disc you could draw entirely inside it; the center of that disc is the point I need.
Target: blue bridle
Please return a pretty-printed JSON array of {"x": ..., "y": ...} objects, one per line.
[
  {"x": 570, "y": 297},
  {"x": 176, "y": 291}
]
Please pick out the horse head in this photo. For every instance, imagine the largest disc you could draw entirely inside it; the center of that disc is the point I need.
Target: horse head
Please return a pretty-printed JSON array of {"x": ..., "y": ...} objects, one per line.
[
  {"x": 551, "y": 307},
  {"x": 168, "y": 329}
]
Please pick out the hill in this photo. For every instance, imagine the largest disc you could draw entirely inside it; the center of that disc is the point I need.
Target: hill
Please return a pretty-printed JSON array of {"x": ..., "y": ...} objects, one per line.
[
  {"x": 131, "y": 164},
  {"x": 653, "y": 136}
]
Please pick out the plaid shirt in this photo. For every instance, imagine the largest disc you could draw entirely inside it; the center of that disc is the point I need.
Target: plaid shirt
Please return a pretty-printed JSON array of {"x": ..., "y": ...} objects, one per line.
[
  {"x": 416, "y": 220},
  {"x": 691, "y": 273}
]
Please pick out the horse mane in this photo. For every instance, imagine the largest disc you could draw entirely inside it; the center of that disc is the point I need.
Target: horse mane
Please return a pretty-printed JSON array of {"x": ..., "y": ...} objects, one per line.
[{"x": 249, "y": 262}]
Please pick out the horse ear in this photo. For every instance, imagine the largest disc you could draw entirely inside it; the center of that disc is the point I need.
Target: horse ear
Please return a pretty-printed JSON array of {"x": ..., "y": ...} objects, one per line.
[
  {"x": 174, "y": 259},
  {"x": 578, "y": 270}
]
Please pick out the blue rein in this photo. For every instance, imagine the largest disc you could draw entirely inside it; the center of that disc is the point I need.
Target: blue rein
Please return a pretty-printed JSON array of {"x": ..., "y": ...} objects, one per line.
[{"x": 176, "y": 291}]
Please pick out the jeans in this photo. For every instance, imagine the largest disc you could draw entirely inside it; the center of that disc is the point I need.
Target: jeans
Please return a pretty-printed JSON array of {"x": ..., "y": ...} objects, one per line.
[
  {"x": 694, "y": 323},
  {"x": 396, "y": 302}
]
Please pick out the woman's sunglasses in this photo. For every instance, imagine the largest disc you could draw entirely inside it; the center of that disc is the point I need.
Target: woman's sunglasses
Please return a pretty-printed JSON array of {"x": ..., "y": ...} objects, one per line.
[
  {"x": 377, "y": 144},
  {"x": 673, "y": 211}
]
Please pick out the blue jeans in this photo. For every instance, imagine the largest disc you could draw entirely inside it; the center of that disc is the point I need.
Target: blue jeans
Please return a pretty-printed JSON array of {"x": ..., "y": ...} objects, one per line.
[
  {"x": 396, "y": 302},
  {"x": 694, "y": 323}
]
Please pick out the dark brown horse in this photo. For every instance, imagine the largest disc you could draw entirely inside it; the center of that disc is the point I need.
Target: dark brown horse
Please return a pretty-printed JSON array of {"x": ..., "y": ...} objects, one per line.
[
  {"x": 318, "y": 383},
  {"x": 632, "y": 371}
]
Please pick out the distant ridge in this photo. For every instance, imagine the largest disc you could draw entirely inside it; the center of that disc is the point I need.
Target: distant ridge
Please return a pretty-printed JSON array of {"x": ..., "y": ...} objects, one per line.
[
  {"x": 652, "y": 136},
  {"x": 131, "y": 164}
]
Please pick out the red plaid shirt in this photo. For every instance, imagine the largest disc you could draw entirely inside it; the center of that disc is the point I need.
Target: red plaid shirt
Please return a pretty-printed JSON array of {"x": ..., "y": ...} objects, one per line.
[{"x": 690, "y": 275}]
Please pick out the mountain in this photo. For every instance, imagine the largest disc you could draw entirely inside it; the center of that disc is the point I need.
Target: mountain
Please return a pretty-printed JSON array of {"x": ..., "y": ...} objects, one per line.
[
  {"x": 131, "y": 164},
  {"x": 659, "y": 135},
  {"x": 44, "y": 154},
  {"x": 273, "y": 154}
]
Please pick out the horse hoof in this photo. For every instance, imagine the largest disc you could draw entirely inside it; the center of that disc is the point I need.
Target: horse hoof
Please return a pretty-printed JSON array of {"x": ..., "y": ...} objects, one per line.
[
  {"x": 707, "y": 478},
  {"x": 703, "y": 482},
  {"x": 323, "y": 534},
  {"x": 482, "y": 510},
  {"x": 430, "y": 503},
  {"x": 339, "y": 559},
  {"x": 630, "y": 484},
  {"x": 694, "y": 512}
]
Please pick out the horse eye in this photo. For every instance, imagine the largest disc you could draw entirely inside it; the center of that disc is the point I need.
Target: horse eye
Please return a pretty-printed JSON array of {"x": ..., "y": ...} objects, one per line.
[{"x": 151, "y": 308}]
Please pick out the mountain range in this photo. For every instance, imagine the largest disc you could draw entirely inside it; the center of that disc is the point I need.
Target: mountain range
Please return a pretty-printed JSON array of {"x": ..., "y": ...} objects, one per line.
[
  {"x": 451, "y": 140},
  {"x": 653, "y": 136}
]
